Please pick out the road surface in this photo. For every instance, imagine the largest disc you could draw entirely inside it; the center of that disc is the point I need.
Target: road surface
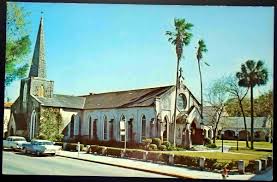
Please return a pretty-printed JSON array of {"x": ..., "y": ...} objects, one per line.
[{"x": 19, "y": 163}]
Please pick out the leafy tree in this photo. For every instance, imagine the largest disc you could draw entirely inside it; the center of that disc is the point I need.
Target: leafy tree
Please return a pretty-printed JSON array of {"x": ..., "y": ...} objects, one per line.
[
  {"x": 18, "y": 43},
  {"x": 180, "y": 37},
  {"x": 239, "y": 94},
  {"x": 216, "y": 98},
  {"x": 199, "y": 55},
  {"x": 252, "y": 74},
  {"x": 51, "y": 124}
]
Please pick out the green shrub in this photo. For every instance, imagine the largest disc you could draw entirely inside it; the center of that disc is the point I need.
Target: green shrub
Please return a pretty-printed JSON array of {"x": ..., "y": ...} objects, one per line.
[
  {"x": 152, "y": 147},
  {"x": 146, "y": 142},
  {"x": 153, "y": 156},
  {"x": 171, "y": 148},
  {"x": 231, "y": 165},
  {"x": 207, "y": 141},
  {"x": 164, "y": 157},
  {"x": 73, "y": 147},
  {"x": 250, "y": 167},
  {"x": 212, "y": 145},
  {"x": 186, "y": 160},
  {"x": 167, "y": 144},
  {"x": 162, "y": 147},
  {"x": 137, "y": 154},
  {"x": 114, "y": 151},
  {"x": 210, "y": 163},
  {"x": 157, "y": 141},
  {"x": 97, "y": 149}
]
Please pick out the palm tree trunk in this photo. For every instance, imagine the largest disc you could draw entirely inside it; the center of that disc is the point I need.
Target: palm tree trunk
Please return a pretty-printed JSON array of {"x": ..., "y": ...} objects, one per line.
[
  {"x": 252, "y": 117},
  {"x": 201, "y": 90},
  {"x": 245, "y": 126},
  {"x": 175, "y": 103}
]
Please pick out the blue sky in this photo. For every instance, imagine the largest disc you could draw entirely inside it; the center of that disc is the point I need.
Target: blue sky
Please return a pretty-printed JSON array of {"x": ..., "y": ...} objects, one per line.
[{"x": 101, "y": 48}]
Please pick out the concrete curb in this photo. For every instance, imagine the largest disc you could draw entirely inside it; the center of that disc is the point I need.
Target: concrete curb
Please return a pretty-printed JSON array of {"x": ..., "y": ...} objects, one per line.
[{"x": 134, "y": 168}]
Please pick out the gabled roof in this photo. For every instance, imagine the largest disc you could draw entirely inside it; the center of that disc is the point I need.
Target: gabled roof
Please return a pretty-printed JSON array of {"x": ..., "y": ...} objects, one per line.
[
  {"x": 238, "y": 122},
  {"x": 64, "y": 101},
  {"x": 125, "y": 99}
]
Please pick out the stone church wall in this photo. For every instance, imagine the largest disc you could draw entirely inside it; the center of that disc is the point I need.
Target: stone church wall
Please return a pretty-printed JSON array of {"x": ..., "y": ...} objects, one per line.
[{"x": 116, "y": 114}]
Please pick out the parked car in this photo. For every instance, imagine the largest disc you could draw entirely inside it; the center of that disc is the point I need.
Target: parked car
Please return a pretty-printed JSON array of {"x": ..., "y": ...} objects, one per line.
[
  {"x": 14, "y": 142},
  {"x": 40, "y": 147}
]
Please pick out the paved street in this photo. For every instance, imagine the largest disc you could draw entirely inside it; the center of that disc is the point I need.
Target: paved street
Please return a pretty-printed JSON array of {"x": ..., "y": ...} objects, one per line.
[{"x": 18, "y": 163}]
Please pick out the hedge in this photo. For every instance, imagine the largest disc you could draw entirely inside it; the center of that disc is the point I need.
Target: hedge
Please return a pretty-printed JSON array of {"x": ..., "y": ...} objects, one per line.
[
  {"x": 153, "y": 156},
  {"x": 250, "y": 167},
  {"x": 114, "y": 151},
  {"x": 137, "y": 154},
  {"x": 186, "y": 160},
  {"x": 164, "y": 157},
  {"x": 73, "y": 147},
  {"x": 157, "y": 141},
  {"x": 97, "y": 149},
  {"x": 210, "y": 163},
  {"x": 153, "y": 147}
]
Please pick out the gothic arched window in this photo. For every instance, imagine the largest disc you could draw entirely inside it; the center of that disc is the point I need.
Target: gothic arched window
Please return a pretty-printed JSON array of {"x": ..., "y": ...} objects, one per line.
[
  {"x": 143, "y": 126},
  {"x": 122, "y": 122},
  {"x": 105, "y": 128}
]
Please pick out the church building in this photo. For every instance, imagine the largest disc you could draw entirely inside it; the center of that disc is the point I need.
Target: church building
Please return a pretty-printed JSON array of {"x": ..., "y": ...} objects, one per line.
[{"x": 146, "y": 112}]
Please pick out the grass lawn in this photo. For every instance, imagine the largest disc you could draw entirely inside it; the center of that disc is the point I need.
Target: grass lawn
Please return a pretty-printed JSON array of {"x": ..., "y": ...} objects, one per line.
[{"x": 242, "y": 144}]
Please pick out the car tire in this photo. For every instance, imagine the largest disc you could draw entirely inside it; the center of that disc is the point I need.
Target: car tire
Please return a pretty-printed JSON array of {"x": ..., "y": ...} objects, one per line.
[
  {"x": 25, "y": 151},
  {"x": 38, "y": 153}
]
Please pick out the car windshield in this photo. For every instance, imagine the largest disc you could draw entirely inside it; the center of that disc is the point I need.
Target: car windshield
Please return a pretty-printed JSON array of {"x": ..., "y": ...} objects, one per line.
[
  {"x": 45, "y": 143},
  {"x": 19, "y": 139}
]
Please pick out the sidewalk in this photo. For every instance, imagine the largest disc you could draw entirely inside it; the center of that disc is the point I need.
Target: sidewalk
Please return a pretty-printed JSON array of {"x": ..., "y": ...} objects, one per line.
[{"x": 179, "y": 172}]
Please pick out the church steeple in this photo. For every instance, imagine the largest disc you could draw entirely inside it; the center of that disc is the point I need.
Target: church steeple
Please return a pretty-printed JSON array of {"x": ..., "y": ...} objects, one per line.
[{"x": 38, "y": 66}]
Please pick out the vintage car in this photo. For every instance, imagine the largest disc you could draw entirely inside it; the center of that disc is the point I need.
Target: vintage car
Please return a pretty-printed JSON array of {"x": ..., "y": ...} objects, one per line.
[
  {"x": 40, "y": 147},
  {"x": 14, "y": 142}
]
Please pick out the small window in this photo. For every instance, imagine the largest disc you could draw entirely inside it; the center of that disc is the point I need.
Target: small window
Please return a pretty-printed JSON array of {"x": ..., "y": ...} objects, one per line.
[
  {"x": 143, "y": 126},
  {"x": 105, "y": 128}
]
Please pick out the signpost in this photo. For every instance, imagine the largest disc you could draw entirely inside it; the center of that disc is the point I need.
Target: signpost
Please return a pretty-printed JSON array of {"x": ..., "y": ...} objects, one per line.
[
  {"x": 123, "y": 132},
  {"x": 78, "y": 148}
]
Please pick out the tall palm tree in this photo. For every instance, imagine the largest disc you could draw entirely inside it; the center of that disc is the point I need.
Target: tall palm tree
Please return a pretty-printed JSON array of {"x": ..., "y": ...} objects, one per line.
[
  {"x": 252, "y": 74},
  {"x": 180, "y": 37},
  {"x": 199, "y": 55}
]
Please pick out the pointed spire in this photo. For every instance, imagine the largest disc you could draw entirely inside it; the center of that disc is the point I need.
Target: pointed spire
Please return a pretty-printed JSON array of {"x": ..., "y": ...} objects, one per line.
[{"x": 38, "y": 66}]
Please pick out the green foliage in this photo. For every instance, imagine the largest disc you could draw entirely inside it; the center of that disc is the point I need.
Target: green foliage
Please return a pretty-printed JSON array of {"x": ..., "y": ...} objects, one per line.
[
  {"x": 153, "y": 147},
  {"x": 153, "y": 156},
  {"x": 162, "y": 147},
  {"x": 167, "y": 144},
  {"x": 18, "y": 43},
  {"x": 157, "y": 141},
  {"x": 146, "y": 142},
  {"x": 114, "y": 151},
  {"x": 186, "y": 160},
  {"x": 180, "y": 36},
  {"x": 137, "y": 154},
  {"x": 211, "y": 145},
  {"x": 263, "y": 106},
  {"x": 51, "y": 124},
  {"x": 207, "y": 141},
  {"x": 210, "y": 163},
  {"x": 73, "y": 147}
]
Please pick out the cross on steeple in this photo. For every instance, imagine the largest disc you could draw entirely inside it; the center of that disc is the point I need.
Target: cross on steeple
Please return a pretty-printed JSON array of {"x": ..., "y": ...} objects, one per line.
[{"x": 38, "y": 65}]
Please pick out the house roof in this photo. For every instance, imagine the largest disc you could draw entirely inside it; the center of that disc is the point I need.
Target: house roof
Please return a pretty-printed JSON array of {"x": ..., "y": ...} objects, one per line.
[
  {"x": 125, "y": 99},
  {"x": 8, "y": 104},
  {"x": 65, "y": 101},
  {"x": 238, "y": 122}
]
